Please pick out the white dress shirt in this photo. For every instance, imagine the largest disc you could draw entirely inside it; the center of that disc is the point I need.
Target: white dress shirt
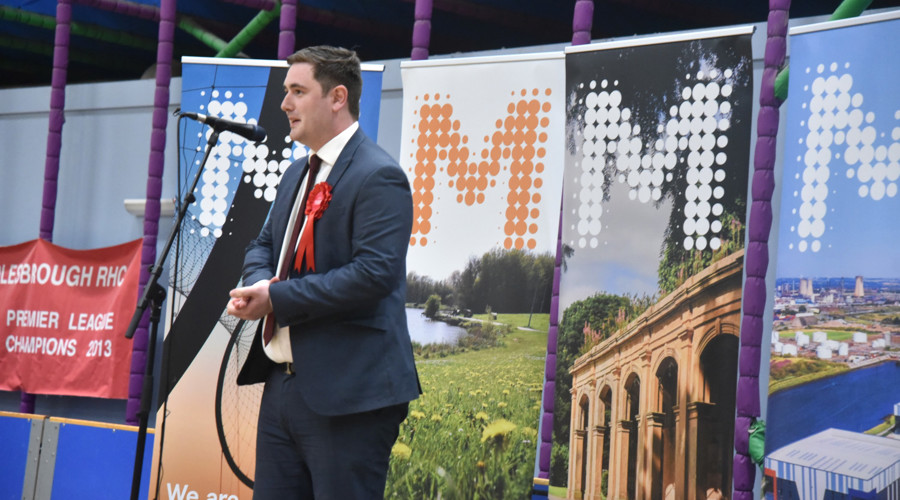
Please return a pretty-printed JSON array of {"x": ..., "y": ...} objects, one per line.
[{"x": 279, "y": 348}]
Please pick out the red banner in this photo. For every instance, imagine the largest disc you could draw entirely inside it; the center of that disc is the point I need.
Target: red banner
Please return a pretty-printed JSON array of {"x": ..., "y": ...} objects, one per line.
[{"x": 64, "y": 316}]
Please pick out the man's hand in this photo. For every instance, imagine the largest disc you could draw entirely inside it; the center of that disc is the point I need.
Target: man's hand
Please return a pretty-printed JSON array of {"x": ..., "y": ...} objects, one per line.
[{"x": 251, "y": 302}]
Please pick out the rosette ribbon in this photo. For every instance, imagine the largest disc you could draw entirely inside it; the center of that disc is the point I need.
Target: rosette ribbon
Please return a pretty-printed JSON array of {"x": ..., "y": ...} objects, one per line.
[{"x": 316, "y": 204}]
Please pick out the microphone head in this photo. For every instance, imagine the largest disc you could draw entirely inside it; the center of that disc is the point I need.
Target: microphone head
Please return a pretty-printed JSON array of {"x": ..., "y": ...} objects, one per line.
[
  {"x": 258, "y": 135},
  {"x": 249, "y": 131}
]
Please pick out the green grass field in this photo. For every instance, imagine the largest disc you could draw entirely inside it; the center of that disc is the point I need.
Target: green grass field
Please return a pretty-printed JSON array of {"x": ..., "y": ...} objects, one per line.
[
  {"x": 882, "y": 428},
  {"x": 540, "y": 322},
  {"x": 473, "y": 433},
  {"x": 839, "y": 335},
  {"x": 786, "y": 372}
]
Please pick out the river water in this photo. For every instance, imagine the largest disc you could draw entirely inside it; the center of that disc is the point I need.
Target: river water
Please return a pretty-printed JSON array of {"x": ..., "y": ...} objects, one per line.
[
  {"x": 856, "y": 400},
  {"x": 426, "y": 331}
]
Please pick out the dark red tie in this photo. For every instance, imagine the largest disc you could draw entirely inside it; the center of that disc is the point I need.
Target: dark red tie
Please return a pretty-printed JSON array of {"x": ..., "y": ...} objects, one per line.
[{"x": 288, "y": 258}]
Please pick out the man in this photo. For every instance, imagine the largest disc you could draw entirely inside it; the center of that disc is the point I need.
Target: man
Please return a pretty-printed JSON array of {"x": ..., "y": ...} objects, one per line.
[{"x": 338, "y": 369}]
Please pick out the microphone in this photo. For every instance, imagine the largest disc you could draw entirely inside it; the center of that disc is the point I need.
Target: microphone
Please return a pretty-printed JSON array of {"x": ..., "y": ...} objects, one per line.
[{"x": 246, "y": 130}]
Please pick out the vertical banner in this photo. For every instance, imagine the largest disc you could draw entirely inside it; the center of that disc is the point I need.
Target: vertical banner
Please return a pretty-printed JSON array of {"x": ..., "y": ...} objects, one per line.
[
  {"x": 834, "y": 370},
  {"x": 482, "y": 144},
  {"x": 64, "y": 317},
  {"x": 656, "y": 173},
  {"x": 208, "y": 448}
]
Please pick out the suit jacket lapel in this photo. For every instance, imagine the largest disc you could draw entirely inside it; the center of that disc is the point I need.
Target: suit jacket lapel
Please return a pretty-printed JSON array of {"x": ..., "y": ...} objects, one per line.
[{"x": 343, "y": 161}]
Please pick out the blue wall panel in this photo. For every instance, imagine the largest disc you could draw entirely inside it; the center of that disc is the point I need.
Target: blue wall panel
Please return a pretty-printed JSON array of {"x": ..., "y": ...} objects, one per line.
[
  {"x": 98, "y": 463},
  {"x": 14, "y": 435}
]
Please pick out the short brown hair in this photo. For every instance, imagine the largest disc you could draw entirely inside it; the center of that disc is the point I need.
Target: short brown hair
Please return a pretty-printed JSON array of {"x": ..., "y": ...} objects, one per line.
[{"x": 333, "y": 66}]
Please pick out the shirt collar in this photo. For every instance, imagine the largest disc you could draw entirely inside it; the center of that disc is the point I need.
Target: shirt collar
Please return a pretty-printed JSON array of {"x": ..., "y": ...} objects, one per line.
[{"x": 332, "y": 149}]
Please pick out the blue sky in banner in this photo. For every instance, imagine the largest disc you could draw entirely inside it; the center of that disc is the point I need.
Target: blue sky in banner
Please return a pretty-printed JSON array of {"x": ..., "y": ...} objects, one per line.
[{"x": 842, "y": 154}]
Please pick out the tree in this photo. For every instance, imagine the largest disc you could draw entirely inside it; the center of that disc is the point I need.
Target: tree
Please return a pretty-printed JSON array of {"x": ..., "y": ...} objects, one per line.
[
  {"x": 432, "y": 306},
  {"x": 598, "y": 310},
  {"x": 419, "y": 288},
  {"x": 677, "y": 264},
  {"x": 511, "y": 281}
]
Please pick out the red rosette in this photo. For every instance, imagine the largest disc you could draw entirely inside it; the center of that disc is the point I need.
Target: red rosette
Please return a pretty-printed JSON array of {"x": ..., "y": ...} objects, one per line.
[
  {"x": 318, "y": 200},
  {"x": 316, "y": 203}
]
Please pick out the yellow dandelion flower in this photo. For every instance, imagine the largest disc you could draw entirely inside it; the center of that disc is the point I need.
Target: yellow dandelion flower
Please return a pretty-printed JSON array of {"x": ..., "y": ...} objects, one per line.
[
  {"x": 436, "y": 417},
  {"x": 480, "y": 464},
  {"x": 481, "y": 416},
  {"x": 416, "y": 415},
  {"x": 401, "y": 451},
  {"x": 484, "y": 405},
  {"x": 528, "y": 431},
  {"x": 505, "y": 391},
  {"x": 501, "y": 404},
  {"x": 497, "y": 430}
]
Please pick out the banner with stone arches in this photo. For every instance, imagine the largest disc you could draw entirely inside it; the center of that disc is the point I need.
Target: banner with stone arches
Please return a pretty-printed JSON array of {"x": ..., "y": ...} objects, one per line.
[{"x": 653, "y": 220}]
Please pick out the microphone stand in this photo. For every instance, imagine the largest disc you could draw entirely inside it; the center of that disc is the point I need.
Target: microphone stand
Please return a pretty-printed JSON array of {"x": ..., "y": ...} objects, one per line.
[{"x": 154, "y": 294}]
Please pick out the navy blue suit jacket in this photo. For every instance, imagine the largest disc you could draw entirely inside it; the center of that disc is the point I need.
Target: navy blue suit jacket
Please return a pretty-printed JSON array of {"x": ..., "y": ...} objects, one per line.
[{"x": 349, "y": 337}]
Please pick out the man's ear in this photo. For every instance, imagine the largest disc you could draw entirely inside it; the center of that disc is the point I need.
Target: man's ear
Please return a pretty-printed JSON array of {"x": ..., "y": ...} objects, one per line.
[{"x": 338, "y": 97}]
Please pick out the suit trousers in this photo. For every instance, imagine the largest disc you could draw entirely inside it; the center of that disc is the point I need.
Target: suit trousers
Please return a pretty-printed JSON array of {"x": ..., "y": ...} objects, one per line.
[{"x": 303, "y": 455}]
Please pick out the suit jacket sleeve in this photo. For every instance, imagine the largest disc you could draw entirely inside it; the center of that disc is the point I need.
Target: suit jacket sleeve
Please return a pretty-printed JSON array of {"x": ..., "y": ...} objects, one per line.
[
  {"x": 261, "y": 256},
  {"x": 361, "y": 243},
  {"x": 258, "y": 260}
]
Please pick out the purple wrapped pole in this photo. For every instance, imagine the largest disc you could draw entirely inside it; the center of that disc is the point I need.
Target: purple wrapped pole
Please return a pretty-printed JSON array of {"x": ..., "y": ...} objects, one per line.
[
  {"x": 54, "y": 138},
  {"x": 421, "y": 30},
  {"x": 545, "y": 444},
  {"x": 287, "y": 25},
  {"x": 57, "y": 117},
  {"x": 582, "y": 20},
  {"x": 757, "y": 255},
  {"x": 154, "y": 191}
]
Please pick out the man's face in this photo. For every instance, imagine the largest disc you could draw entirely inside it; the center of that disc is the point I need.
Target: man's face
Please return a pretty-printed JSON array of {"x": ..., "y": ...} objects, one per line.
[{"x": 308, "y": 109}]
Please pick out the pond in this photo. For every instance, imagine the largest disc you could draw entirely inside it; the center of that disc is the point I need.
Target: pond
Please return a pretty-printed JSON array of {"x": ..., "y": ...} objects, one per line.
[{"x": 425, "y": 331}]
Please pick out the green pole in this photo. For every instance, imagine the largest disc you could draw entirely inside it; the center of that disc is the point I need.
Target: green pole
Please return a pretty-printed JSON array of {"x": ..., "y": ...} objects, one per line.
[
  {"x": 250, "y": 31},
  {"x": 191, "y": 27},
  {"x": 846, "y": 10}
]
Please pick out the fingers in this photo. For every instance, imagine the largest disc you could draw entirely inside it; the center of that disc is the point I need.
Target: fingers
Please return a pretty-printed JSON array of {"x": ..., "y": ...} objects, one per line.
[
  {"x": 250, "y": 302},
  {"x": 237, "y": 303}
]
